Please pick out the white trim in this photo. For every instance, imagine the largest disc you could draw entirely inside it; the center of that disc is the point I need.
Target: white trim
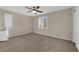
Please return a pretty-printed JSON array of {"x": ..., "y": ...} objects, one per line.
[
  {"x": 55, "y": 36},
  {"x": 63, "y": 38},
  {"x": 19, "y": 34},
  {"x": 45, "y": 35}
]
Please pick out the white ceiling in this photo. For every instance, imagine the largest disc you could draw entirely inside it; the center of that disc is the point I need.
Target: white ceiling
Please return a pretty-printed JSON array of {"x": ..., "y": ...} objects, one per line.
[{"x": 23, "y": 10}]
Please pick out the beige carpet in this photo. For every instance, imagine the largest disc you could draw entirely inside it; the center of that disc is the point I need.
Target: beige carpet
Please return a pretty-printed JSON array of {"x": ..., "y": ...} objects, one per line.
[{"x": 37, "y": 43}]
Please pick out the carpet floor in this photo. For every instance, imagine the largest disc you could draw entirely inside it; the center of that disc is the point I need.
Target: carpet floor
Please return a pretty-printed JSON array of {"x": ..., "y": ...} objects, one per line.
[{"x": 36, "y": 43}]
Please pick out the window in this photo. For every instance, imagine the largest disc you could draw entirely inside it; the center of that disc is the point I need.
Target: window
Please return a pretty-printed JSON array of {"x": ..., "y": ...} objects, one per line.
[
  {"x": 8, "y": 21},
  {"x": 43, "y": 22}
]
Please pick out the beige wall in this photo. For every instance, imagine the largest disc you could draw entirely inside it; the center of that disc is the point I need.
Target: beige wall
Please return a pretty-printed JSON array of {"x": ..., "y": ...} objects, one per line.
[
  {"x": 59, "y": 25},
  {"x": 22, "y": 24},
  {"x": 1, "y": 21},
  {"x": 76, "y": 26}
]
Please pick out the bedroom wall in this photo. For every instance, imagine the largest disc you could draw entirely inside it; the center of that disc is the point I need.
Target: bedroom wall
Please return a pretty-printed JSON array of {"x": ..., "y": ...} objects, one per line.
[
  {"x": 76, "y": 26},
  {"x": 1, "y": 21},
  {"x": 60, "y": 25},
  {"x": 22, "y": 24}
]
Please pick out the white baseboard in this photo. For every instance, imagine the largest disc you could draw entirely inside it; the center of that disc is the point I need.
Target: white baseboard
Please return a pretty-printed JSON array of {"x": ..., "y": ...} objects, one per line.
[
  {"x": 62, "y": 38},
  {"x": 45, "y": 35},
  {"x": 19, "y": 34},
  {"x": 56, "y": 37}
]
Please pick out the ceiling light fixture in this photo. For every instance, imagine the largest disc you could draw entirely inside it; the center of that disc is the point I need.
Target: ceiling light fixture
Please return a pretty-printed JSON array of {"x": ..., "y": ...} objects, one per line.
[{"x": 33, "y": 11}]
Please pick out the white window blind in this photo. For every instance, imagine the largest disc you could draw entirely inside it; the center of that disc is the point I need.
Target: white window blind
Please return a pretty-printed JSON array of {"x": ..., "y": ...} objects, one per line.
[
  {"x": 8, "y": 21},
  {"x": 43, "y": 22}
]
